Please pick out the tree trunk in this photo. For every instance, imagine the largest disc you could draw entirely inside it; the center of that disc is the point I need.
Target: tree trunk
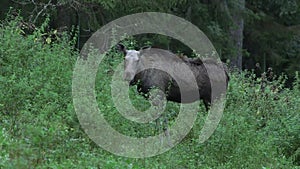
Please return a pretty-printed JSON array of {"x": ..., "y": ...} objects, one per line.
[
  {"x": 231, "y": 17},
  {"x": 236, "y": 32}
]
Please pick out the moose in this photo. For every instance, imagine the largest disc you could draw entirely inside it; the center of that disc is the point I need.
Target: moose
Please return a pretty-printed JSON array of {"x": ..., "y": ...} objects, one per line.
[{"x": 140, "y": 70}]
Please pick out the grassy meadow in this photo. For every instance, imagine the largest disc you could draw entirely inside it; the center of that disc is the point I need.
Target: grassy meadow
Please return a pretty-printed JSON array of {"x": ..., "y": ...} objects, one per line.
[{"x": 39, "y": 127}]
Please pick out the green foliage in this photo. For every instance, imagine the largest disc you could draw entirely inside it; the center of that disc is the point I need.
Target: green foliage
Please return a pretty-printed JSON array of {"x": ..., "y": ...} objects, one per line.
[
  {"x": 286, "y": 11},
  {"x": 271, "y": 29},
  {"x": 39, "y": 128},
  {"x": 35, "y": 92},
  {"x": 272, "y": 34}
]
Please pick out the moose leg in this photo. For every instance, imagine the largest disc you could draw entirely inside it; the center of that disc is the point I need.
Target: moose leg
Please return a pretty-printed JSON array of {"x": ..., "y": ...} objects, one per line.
[
  {"x": 158, "y": 102},
  {"x": 167, "y": 132},
  {"x": 162, "y": 125},
  {"x": 206, "y": 104},
  {"x": 157, "y": 99}
]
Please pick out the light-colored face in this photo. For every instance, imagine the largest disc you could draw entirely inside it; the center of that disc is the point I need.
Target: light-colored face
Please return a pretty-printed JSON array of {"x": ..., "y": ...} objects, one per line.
[{"x": 131, "y": 64}]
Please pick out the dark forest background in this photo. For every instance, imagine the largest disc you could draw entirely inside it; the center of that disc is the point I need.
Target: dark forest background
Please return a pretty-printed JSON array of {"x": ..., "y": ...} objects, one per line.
[
  {"x": 245, "y": 32},
  {"x": 40, "y": 43}
]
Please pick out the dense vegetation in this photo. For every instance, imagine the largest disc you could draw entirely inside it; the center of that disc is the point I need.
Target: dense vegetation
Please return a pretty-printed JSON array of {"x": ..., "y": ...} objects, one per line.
[
  {"x": 39, "y": 127},
  {"x": 244, "y": 32}
]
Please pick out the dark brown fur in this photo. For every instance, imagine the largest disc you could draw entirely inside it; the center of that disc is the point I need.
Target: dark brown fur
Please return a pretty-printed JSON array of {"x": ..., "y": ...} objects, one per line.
[{"x": 151, "y": 78}]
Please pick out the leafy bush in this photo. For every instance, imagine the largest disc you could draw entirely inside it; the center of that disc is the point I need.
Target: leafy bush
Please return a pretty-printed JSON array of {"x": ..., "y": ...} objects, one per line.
[
  {"x": 39, "y": 128},
  {"x": 35, "y": 92}
]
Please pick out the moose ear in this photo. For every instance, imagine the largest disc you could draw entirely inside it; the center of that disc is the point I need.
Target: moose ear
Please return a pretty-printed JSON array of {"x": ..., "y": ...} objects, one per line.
[
  {"x": 120, "y": 47},
  {"x": 145, "y": 48}
]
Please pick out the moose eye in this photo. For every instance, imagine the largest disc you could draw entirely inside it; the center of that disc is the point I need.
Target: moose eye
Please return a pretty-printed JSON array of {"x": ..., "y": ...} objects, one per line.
[{"x": 135, "y": 58}]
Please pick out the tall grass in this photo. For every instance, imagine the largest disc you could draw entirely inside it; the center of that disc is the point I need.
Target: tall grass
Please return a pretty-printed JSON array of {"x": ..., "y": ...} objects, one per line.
[{"x": 39, "y": 127}]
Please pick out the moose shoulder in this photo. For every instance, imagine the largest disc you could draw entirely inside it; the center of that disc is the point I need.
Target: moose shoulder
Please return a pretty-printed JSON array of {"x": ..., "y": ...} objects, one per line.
[{"x": 140, "y": 69}]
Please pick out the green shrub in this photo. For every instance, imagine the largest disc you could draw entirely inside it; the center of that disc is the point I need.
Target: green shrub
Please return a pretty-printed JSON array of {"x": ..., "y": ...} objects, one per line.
[{"x": 39, "y": 128}]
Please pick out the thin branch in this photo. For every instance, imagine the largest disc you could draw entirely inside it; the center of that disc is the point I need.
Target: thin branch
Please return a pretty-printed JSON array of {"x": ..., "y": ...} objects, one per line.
[
  {"x": 21, "y": 2},
  {"x": 41, "y": 11}
]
